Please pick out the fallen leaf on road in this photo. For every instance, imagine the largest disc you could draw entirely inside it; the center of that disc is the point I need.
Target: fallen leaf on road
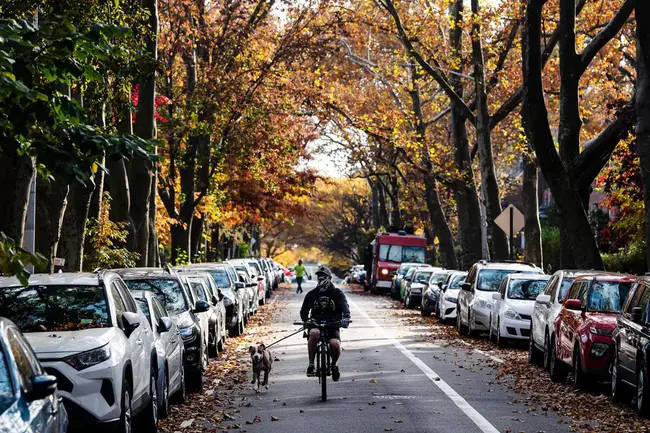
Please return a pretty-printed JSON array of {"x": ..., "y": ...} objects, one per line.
[
  {"x": 372, "y": 381},
  {"x": 186, "y": 424},
  {"x": 388, "y": 429},
  {"x": 275, "y": 418}
]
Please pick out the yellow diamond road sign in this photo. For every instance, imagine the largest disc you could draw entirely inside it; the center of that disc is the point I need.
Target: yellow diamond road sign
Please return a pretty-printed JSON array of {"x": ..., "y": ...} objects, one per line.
[{"x": 503, "y": 220}]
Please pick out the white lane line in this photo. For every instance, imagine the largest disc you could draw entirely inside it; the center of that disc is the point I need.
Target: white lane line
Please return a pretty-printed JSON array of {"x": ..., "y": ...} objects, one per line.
[
  {"x": 478, "y": 419},
  {"x": 492, "y": 357}
]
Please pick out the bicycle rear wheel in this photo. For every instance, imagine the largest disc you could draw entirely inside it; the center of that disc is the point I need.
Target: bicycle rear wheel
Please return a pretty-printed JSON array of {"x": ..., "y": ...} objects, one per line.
[{"x": 323, "y": 373}]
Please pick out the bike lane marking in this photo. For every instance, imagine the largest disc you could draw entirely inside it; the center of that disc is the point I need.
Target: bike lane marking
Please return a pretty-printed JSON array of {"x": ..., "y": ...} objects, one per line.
[{"x": 483, "y": 424}]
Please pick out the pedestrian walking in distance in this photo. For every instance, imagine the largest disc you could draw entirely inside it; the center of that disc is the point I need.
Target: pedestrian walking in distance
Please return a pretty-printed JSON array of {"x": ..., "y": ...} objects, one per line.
[{"x": 300, "y": 275}]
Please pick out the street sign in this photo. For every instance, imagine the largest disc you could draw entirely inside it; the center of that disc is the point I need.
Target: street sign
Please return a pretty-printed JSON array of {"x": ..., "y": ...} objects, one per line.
[
  {"x": 503, "y": 221},
  {"x": 58, "y": 261}
]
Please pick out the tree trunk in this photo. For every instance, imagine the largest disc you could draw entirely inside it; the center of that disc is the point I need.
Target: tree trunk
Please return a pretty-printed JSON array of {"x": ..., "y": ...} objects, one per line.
[
  {"x": 51, "y": 202},
  {"x": 535, "y": 116},
  {"x": 532, "y": 227},
  {"x": 395, "y": 213},
  {"x": 467, "y": 203},
  {"x": 71, "y": 244},
  {"x": 497, "y": 239},
  {"x": 439, "y": 225},
  {"x": 197, "y": 237},
  {"x": 154, "y": 253},
  {"x": 16, "y": 174},
  {"x": 374, "y": 204},
  {"x": 383, "y": 212},
  {"x": 643, "y": 106},
  {"x": 140, "y": 188},
  {"x": 180, "y": 241}
]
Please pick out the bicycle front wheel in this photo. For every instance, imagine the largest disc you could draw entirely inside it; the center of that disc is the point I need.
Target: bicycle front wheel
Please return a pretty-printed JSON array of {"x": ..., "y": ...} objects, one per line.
[{"x": 323, "y": 374}]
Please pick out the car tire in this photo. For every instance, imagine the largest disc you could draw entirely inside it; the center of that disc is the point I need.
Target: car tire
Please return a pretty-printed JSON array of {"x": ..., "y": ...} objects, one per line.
[
  {"x": 424, "y": 311},
  {"x": 213, "y": 346},
  {"x": 557, "y": 369},
  {"x": 195, "y": 380},
  {"x": 619, "y": 393},
  {"x": 126, "y": 411},
  {"x": 579, "y": 376},
  {"x": 242, "y": 329},
  {"x": 150, "y": 414},
  {"x": 470, "y": 332},
  {"x": 163, "y": 406},
  {"x": 642, "y": 390},
  {"x": 501, "y": 341},
  {"x": 459, "y": 324},
  {"x": 533, "y": 353},
  {"x": 180, "y": 396},
  {"x": 547, "y": 352}
]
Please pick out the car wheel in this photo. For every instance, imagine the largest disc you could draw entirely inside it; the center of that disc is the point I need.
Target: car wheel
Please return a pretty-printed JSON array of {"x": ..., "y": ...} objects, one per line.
[
  {"x": 241, "y": 327},
  {"x": 126, "y": 416},
  {"x": 205, "y": 358},
  {"x": 547, "y": 352},
  {"x": 618, "y": 388},
  {"x": 213, "y": 349},
  {"x": 164, "y": 397},
  {"x": 150, "y": 420},
  {"x": 470, "y": 331},
  {"x": 195, "y": 380},
  {"x": 459, "y": 324},
  {"x": 424, "y": 310},
  {"x": 180, "y": 395},
  {"x": 501, "y": 342},
  {"x": 557, "y": 369},
  {"x": 533, "y": 353},
  {"x": 578, "y": 372},
  {"x": 642, "y": 400}
]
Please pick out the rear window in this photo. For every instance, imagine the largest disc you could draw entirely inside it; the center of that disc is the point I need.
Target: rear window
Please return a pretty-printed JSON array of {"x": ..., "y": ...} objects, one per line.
[
  {"x": 169, "y": 292},
  {"x": 456, "y": 281},
  {"x": 607, "y": 297},
  {"x": 439, "y": 277},
  {"x": 55, "y": 308},
  {"x": 423, "y": 277},
  {"x": 220, "y": 277}
]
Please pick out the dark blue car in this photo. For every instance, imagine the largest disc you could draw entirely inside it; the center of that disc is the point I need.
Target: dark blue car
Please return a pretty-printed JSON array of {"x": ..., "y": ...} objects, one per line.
[{"x": 29, "y": 401}]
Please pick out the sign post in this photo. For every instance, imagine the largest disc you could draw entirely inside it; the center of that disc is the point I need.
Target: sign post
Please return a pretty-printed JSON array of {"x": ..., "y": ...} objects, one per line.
[{"x": 511, "y": 221}]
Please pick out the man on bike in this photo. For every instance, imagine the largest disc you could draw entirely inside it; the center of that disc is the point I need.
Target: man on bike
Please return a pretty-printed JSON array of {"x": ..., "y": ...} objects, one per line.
[
  {"x": 300, "y": 275},
  {"x": 325, "y": 303}
]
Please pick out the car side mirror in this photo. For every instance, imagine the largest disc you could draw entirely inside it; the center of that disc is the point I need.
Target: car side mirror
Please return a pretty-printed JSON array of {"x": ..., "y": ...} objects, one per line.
[
  {"x": 251, "y": 285},
  {"x": 440, "y": 284},
  {"x": 543, "y": 299},
  {"x": 165, "y": 324},
  {"x": 637, "y": 313},
  {"x": 496, "y": 296},
  {"x": 43, "y": 385},
  {"x": 466, "y": 287},
  {"x": 131, "y": 322},
  {"x": 573, "y": 304},
  {"x": 201, "y": 307},
  {"x": 221, "y": 296},
  {"x": 215, "y": 300},
  {"x": 239, "y": 285}
]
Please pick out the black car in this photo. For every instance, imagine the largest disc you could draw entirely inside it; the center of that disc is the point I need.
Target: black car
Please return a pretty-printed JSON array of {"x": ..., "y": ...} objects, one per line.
[
  {"x": 631, "y": 364},
  {"x": 29, "y": 400},
  {"x": 167, "y": 286}
]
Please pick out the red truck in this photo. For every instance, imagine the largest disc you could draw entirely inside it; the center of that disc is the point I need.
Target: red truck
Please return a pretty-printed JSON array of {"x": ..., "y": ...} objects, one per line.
[{"x": 389, "y": 250}]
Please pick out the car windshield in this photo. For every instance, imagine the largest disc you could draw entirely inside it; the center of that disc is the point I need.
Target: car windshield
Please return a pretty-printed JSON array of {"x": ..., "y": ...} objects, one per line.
[
  {"x": 526, "y": 290},
  {"x": 607, "y": 296},
  {"x": 439, "y": 277},
  {"x": 399, "y": 254},
  {"x": 55, "y": 308},
  {"x": 456, "y": 281},
  {"x": 404, "y": 269},
  {"x": 256, "y": 268},
  {"x": 566, "y": 283},
  {"x": 220, "y": 277},
  {"x": 6, "y": 387},
  {"x": 423, "y": 277},
  {"x": 490, "y": 279},
  {"x": 169, "y": 292}
]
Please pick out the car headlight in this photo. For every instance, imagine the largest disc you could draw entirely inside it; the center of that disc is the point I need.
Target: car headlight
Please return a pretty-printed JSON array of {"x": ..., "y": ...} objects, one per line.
[
  {"x": 451, "y": 299},
  {"x": 483, "y": 303},
  {"x": 599, "y": 349},
  {"x": 512, "y": 314},
  {"x": 84, "y": 360},
  {"x": 384, "y": 271},
  {"x": 189, "y": 334},
  {"x": 600, "y": 331}
]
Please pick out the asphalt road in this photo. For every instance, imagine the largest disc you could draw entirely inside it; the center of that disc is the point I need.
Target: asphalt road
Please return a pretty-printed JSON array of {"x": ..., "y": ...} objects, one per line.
[{"x": 392, "y": 380}]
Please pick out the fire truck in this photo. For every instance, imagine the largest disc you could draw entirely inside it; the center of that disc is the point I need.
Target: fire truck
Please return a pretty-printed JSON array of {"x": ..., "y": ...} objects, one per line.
[{"x": 389, "y": 250}]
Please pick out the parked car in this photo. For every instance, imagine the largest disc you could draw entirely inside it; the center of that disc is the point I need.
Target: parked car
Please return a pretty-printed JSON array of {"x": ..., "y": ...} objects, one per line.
[
  {"x": 547, "y": 306},
  {"x": 410, "y": 274},
  {"x": 235, "y": 296},
  {"x": 417, "y": 285},
  {"x": 29, "y": 399},
  {"x": 513, "y": 307},
  {"x": 169, "y": 350},
  {"x": 396, "y": 284},
  {"x": 475, "y": 299},
  {"x": 631, "y": 348},
  {"x": 429, "y": 299},
  {"x": 251, "y": 285},
  {"x": 264, "y": 283},
  {"x": 183, "y": 310},
  {"x": 584, "y": 327},
  {"x": 447, "y": 297},
  {"x": 216, "y": 312},
  {"x": 88, "y": 332}
]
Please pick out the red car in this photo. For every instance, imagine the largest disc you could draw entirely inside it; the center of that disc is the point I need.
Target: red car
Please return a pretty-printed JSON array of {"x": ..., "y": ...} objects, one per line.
[{"x": 584, "y": 327}]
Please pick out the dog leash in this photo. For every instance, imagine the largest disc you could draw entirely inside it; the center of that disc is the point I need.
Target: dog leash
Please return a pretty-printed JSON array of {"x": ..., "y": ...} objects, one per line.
[{"x": 291, "y": 335}]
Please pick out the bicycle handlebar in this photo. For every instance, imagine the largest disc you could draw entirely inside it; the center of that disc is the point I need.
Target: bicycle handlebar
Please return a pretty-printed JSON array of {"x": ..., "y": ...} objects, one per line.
[{"x": 317, "y": 324}]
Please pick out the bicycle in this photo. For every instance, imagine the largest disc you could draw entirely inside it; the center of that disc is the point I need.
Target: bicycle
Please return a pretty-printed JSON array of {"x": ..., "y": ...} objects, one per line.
[{"x": 323, "y": 353}]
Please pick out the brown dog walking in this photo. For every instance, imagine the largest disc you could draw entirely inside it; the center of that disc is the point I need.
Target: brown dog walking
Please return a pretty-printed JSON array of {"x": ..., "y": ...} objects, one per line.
[{"x": 261, "y": 361}]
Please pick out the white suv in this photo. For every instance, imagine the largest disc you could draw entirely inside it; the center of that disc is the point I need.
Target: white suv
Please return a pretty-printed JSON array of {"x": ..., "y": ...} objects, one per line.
[{"x": 88, "y": 331}]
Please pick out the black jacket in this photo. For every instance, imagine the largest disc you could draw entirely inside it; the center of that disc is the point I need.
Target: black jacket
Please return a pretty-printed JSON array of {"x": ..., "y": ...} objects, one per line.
[{"x": 330, "y": 304}]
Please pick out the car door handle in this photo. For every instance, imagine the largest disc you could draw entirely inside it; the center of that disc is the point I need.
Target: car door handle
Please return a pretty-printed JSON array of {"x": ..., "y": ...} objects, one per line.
[{"x": 139, "y": 341}]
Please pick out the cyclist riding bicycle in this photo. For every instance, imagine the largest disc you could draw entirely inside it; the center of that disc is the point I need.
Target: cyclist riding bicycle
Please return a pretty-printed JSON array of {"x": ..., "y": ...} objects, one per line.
[{"x": 325, "y": 303}]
